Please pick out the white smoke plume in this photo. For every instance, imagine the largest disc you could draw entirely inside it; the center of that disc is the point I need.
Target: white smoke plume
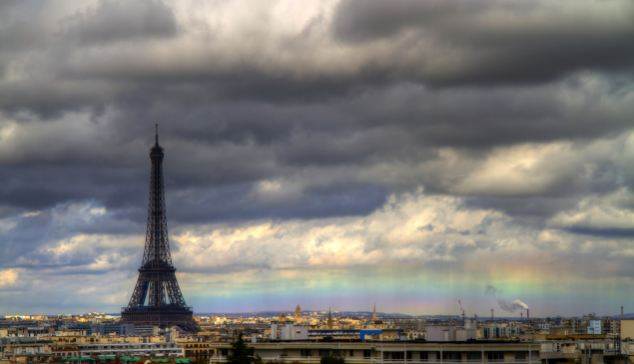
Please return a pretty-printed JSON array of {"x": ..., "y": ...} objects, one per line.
[
  {"x": 505, "y": 305},
  {"x": 512, "y": 306}
]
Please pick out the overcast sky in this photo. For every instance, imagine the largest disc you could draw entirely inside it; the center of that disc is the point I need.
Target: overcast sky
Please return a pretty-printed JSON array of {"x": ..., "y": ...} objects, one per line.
[{"x": 322, "y": 153}]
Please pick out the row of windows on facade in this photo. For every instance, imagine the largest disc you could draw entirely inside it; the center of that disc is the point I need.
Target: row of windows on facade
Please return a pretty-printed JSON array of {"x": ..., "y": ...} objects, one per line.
[{"x": 422, "y": 355}]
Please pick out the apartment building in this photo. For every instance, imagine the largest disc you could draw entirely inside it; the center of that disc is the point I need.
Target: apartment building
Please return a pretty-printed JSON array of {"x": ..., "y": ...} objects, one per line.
[{"x": 388, "y": 352}]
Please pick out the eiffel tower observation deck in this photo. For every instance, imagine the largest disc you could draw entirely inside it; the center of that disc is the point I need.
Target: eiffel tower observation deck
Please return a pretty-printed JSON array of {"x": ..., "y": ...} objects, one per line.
[{"x": 157, "y": 298}]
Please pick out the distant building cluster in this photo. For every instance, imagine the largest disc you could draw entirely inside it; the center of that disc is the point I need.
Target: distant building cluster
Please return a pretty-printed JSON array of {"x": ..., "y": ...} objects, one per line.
[{"x": 302, "y": 337}]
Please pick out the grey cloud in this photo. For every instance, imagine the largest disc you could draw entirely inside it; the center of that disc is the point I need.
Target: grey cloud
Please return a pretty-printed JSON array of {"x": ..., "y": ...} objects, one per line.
[
  {"x": 230, "y": 146},
  {"x": 615, "y": 233},
  {"x": 116, "y": 20},
  {"x": 494, "y": 42},
  {"x": 369, "y": 20},
  {"x": 604, "y": 215},
  {"x": 235, "y": 203},
  {"x": 21, "y": 25},
  {"x": 31, "y": 233}
]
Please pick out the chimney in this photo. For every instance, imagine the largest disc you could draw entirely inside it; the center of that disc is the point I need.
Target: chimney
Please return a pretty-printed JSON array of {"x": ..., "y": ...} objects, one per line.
[
  {"x": 621, "y": 312},
  {"x": 521, "y": 314},
  {"x": 492, "y": 315},
  {"x": 528, "y": 314}
]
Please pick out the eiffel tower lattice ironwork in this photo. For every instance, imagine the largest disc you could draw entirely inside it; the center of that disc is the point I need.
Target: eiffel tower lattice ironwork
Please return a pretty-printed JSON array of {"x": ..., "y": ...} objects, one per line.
[{"x": 157, "y": 299}]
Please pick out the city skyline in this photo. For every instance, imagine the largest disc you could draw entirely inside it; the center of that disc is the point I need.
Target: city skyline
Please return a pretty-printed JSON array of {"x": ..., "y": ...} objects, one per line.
[{"x": 336, "y": 153}]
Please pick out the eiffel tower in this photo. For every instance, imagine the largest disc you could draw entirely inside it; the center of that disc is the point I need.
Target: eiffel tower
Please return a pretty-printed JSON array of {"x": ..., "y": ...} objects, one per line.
[{"x": 157, "y": 298}]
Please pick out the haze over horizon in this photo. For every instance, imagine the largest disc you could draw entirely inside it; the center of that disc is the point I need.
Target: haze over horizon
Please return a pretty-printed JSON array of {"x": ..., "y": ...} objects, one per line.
[{"x": 333, "y": 153}]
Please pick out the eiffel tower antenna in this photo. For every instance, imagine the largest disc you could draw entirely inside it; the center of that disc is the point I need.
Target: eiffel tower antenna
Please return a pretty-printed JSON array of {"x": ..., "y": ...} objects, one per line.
[{"x": 157, "y": 297}]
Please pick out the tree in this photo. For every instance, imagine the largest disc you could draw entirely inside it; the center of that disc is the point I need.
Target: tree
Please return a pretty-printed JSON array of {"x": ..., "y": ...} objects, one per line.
[{"x": 241, "y": 354}]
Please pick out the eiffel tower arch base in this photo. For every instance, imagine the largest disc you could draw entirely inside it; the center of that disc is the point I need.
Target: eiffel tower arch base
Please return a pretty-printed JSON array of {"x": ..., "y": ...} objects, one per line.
[{"x": 164, "y": 316}]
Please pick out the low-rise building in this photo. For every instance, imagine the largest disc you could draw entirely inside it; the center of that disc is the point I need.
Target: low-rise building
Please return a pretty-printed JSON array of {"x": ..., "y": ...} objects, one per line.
[
  {"x": 288, "y": 331},
  {"x": 627, "y": 330},
  {"x": 388, "y": 352}
]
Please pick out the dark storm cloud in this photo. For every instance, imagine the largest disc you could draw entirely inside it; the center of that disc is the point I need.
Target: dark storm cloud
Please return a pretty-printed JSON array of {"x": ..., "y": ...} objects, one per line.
[
  {"x": 362, "y": 21},
  {"x": 623, "y": 233},
  {"x": 227, "y": 203},
  {"x": 232, "y": 145},
  {"x": 116, "y": 20},
  {"x": 499, "y": 41}
]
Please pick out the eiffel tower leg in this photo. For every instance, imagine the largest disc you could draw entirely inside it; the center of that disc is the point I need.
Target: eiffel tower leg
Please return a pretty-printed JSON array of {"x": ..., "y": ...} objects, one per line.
[{"x": 140, "y": 291}]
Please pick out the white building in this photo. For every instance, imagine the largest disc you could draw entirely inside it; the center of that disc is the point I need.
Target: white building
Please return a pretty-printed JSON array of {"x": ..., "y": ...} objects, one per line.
[
  {"x": 288, "y": 332},
  {"x": 594, "y": 327}
]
